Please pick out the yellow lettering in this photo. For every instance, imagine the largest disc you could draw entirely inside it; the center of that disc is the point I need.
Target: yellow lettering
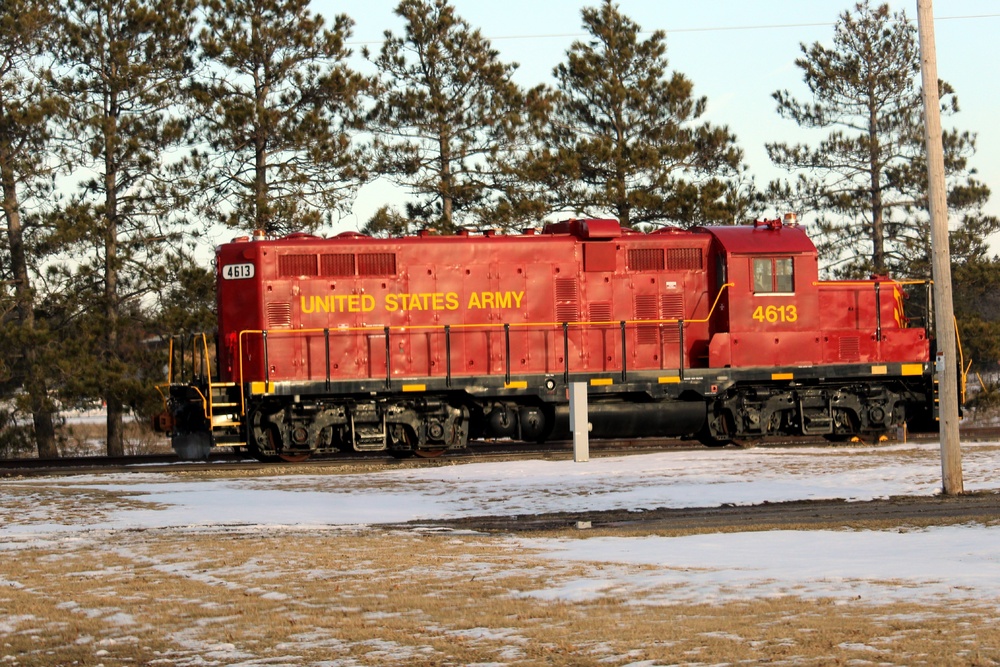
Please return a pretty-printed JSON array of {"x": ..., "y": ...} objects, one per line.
[
  {"x": 438, "y": 301},
  {"x": 503, "y": 300},
  {"x": 517, "y": 298},
  {"x": 312, "y": 304},
  {"x": 415, "y": 302},
  {"x": 367, "y": 303},
  {"x": 391, "y": 303},
  {"x": 774, "y": 314},
  {"x": 474, "y": 301},
  {"x": 451, "y": 301},
  {"x": 487, "y": 299},
  {"x": 354, "y": 303}
]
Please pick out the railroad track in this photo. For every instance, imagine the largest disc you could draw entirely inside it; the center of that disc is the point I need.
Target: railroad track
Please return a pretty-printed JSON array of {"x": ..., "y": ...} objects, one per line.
[
  {"x": 234, "y": 459},
  {"x": 483, "y": 451}
]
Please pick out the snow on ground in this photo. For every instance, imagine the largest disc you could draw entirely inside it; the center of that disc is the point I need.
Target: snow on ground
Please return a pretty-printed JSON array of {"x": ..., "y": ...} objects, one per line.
[{"x": 957, "y": 561}]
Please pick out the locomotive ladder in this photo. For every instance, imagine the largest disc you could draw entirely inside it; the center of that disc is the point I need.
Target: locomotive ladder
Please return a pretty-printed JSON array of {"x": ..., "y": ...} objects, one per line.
[{"x": 223, "y": 413}]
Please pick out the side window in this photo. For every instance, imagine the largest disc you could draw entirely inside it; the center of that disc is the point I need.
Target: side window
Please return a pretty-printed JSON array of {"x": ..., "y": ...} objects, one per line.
[
  {"x": 783, "y": 278},
  {"x": 773, "y": 275},
  {"x": 763, "y": 274}
]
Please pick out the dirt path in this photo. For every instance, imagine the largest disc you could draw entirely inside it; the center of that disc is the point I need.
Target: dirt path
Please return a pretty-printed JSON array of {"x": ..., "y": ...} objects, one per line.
[{"x": 881, "y": 513}]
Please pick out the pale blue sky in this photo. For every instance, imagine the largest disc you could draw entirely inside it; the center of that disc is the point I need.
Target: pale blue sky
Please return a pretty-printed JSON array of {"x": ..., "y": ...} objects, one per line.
[{"x": 737, "y": 52}]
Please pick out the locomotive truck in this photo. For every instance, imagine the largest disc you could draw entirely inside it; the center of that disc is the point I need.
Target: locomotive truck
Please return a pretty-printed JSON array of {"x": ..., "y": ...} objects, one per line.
[{"x": 423, "y": 344}]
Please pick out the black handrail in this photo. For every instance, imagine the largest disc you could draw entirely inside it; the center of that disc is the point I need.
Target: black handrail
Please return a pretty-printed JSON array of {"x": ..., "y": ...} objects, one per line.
[
  {"x": 326, "y": 338},
  {"x": 506, "y": 341}
]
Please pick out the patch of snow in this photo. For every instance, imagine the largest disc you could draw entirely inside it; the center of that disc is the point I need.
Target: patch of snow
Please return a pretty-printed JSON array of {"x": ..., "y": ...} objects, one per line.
[{"x": 933, "y": 563}]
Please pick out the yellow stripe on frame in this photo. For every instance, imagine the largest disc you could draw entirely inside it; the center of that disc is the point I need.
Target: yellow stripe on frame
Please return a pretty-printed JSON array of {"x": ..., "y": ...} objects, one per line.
[
  {"x": 880, "y": 370},
  {"x": 517, "y": 384},
  {"x": 913, "y": 369},
  {"x": 261, "y": 387},
  {"x": 670, "y": 379},
  {"x": 601, "y": 382},
  {"x": 782, "y": 376},
  {"x": 414, "y": 387}
]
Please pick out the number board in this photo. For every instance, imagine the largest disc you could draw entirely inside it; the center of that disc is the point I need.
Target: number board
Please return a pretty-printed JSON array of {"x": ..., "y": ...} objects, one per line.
[{"x": 237, "y": 271}]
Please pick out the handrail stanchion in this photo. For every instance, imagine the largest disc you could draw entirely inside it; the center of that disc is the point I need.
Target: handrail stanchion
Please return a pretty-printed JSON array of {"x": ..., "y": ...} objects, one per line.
[
  {"x": 170, "y": 362},
  {"x": 447, "y": 355},
  {"x": 621, "y": 324},
  {"x": 267, "y": 366},
  {"x": 326, "y": 340},
  {"x": 878, "y": 311},
  {"x": 388, "y": 367},
  {"x": 565, "y": 326},
  {"x": 680, "y": 329},
  {"x": 506, "y": 343}
]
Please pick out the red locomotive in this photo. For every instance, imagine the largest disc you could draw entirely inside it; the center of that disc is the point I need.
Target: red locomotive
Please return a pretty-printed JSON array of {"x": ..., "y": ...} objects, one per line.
[{"x": 421, "y": 344}]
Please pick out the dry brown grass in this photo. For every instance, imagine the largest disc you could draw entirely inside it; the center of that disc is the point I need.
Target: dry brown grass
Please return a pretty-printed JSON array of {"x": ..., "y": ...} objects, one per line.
[
  {"x": 90, "y": 439},
  {"x": 375, "y": 598}
]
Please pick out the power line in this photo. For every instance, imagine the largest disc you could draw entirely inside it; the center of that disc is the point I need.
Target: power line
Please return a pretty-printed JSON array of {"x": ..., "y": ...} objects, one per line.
[{"x": 765, "y": 26}]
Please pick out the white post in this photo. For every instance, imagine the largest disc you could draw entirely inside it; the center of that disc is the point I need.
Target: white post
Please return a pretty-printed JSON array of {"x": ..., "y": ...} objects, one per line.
[{"x": 579, "y": 424}]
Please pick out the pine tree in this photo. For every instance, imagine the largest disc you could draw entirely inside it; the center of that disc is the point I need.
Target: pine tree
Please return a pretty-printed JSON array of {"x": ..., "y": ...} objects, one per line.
[
  {"x": 866, "y": 181},
  {"x": 977, "y": 309},
  {"x": 125, "y": 61},
  {"x": 624, "y": 137},
  {"x": 26, "y": 107},
  {"x": 446, "y": 112},
  {"x": 278, "y": 105}
]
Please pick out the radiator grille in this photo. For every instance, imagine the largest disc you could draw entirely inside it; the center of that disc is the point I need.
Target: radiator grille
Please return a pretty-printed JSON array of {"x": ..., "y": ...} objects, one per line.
[
  {"x": 645, "y": 259},
  {"x": 377, "y": 264},
  {"x": 296, "y": 265},
  {"x": 336, "y": 265},
  {"x": 684, "y": 259},
  {"x": 567, "y": 300},
  {"x": 850, "y": 348},
  {"x": 671, "y": 308},
  {"x": 647, "y": 308},
  {"x": 279, "y": 315},
  {"x": 600, "y": 312}
]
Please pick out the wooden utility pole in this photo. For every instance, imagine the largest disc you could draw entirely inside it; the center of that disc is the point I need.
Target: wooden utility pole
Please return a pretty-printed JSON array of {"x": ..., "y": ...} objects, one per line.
[{"x": 944, "y": 312}]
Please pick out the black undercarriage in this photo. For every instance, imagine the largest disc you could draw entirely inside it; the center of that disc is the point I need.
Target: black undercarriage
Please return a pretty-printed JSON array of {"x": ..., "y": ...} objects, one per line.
[{"x": 297, "y": 420}]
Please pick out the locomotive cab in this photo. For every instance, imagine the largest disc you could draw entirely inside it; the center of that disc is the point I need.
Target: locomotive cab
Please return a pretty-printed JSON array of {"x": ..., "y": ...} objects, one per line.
[
  {"x": 770, "y": 315},
  {"x": 809, "y": 357}
]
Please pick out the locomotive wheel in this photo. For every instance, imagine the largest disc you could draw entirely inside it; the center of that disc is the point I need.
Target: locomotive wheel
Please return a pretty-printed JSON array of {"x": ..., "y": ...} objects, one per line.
[
  {"x": 295, "y": 458},
  {"x": 428, "y": 453}
]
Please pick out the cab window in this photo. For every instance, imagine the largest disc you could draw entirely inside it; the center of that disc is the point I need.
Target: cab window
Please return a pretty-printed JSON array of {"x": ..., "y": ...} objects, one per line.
[{"x": 773, "y": 275}]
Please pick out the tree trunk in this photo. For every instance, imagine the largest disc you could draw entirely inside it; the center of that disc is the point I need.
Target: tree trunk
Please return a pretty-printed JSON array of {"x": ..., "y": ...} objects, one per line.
[
  {"x": 34, "y": 382},
  {"x": 115, "y": 441},
  {"x": 878, "y": 210},
  {"x": 447, "y": 195},
  {"x": 116, "y": 430}
]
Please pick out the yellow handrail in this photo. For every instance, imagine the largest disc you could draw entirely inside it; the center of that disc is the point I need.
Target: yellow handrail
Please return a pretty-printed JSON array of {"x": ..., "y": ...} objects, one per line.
[
  {"x": 441, "y": 327},
  {"x": 963, "y": 370}
]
